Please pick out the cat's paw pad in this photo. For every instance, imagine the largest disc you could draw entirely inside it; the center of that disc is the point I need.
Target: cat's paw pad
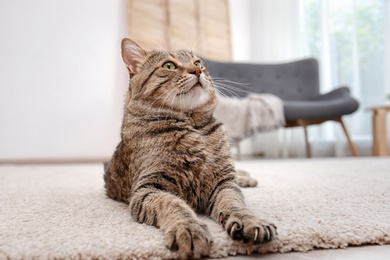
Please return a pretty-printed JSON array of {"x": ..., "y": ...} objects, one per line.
[
  {"x": 249, "y": 229},
  {"x": 243, "y": 179},
  {"x": 190, "y": 239},
  {"x": 242, "y": 173}
]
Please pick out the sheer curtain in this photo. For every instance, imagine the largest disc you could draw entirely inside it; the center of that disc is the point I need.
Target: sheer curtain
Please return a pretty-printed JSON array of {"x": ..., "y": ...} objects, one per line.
[
  {"x": 273, "y": 36},
  {"x": 350, "y": 39}
]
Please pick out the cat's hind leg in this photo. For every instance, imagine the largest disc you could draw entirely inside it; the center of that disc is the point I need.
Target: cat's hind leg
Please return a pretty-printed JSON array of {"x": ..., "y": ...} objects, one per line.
[
  {"x": 244, "y": 179},
  {"x": 184, "y": 232}
]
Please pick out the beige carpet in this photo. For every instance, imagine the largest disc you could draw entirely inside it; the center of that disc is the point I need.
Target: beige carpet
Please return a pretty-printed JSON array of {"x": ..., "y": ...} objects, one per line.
[{"x": 61, "y": 211}]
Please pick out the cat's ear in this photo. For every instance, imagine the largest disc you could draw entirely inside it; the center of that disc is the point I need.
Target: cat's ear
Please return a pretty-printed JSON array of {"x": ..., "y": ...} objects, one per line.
[{"x": 132, "y": 55}]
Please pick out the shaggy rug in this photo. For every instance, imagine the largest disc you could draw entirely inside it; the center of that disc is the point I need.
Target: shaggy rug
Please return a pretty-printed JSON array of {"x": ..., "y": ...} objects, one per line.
[{"x": 60, "y": 211}]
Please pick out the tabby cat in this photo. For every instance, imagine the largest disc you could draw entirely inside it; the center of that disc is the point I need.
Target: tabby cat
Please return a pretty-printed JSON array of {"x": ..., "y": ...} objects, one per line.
[{"x": 173, "y": 161}]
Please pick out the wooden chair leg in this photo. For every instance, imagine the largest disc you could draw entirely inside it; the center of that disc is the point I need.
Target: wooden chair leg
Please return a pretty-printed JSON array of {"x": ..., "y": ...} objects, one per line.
[
  {"x": 238, "y": 151},
  {"x": 308, "y": 149},
  {"x": 381, "y": 131},
  {"x": 304, "y": 124},
  {"x": 375, "y": 139},
  {"x": 351, "y": 145}
]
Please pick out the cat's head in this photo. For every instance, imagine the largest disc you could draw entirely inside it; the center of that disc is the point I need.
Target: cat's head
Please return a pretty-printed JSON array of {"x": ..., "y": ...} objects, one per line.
[{"x": 173, "y": 80}]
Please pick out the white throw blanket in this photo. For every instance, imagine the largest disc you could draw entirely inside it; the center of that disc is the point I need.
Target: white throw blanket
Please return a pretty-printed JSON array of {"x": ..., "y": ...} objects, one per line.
[{"x": 256, "y": 112}]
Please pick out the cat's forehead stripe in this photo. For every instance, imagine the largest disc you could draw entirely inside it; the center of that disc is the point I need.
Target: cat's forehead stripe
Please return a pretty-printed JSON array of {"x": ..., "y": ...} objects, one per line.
[
  {"x": 182, "y": 56},
  {"x": 155, "y": 56},
  {"x": 185, "y": 56}
]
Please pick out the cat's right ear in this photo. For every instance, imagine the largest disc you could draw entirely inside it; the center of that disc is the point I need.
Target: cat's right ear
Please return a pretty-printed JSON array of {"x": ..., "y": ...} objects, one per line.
[{"x": 132, "y": 55}]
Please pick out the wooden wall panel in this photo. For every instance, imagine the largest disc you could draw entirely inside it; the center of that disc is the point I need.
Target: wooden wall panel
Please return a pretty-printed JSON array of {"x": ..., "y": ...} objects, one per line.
[{"x": 199, "y": 25}]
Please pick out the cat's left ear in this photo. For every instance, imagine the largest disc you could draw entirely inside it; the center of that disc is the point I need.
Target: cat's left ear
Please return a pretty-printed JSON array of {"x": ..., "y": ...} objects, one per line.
[{"x": 132, "y": 54}]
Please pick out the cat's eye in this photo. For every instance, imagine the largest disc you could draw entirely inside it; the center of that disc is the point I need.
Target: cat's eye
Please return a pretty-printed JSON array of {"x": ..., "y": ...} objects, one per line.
[
  {"x": 169, "y": 65},
  {"x": 198, "y": 64}
]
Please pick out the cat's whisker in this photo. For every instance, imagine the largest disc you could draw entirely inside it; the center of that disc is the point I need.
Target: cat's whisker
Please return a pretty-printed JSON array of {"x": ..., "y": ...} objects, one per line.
[
  {"x": 221, "y": 94},
  {"x": 233, "y": 84},
  {"x": 163, "y": 49},
  {"x": 199, "y": 48},
  {"x": 232, "y": 88},
  {"x": 194, "y": 46},
  {"x": 241, "y": 84},
  {"x": 232, "y": 91},
  {"x": 227, "y": 92}
]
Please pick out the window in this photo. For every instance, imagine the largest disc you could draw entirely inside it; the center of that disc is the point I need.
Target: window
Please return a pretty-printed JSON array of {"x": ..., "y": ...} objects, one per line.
[{"x": 348, "y": 38}]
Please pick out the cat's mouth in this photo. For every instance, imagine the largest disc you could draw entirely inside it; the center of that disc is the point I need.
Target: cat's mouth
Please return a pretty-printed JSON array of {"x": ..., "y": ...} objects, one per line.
[{"x": 187, "y": 90}]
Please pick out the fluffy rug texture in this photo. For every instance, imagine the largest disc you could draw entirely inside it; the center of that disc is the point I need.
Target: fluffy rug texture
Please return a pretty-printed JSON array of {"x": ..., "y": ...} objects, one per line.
[{"x": 60, "y": 211}]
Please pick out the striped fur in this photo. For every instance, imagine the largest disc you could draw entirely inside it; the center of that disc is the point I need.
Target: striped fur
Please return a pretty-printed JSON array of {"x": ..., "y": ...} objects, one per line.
[{"x": 173, "y": 161}]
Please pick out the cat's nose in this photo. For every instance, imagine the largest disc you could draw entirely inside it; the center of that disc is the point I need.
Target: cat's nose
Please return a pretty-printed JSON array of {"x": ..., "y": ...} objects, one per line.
[{"x": 197, "y": 72}]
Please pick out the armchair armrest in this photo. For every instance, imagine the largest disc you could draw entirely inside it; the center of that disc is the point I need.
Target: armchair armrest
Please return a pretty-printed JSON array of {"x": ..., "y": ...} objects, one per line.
[{"x": 340, "y": 92}]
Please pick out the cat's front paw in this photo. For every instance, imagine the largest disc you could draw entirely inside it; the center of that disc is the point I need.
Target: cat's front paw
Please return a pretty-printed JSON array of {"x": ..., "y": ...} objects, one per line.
[
  {"x": 190, "y": 239},
  {"x": 248, "y": 228}
]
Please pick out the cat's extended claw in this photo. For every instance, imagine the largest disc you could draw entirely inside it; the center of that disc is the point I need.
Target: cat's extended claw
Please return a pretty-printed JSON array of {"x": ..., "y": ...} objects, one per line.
[
  {"x": 250, "y": 229},
  {"x": 256, "y": 234},
  {"x": 189, "y": 239},
  {"x": 234, "y": 227}
]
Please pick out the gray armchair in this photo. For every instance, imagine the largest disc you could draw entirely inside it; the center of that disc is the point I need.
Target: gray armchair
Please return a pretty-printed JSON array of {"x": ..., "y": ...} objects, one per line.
[{"x": 297, "y": 84}]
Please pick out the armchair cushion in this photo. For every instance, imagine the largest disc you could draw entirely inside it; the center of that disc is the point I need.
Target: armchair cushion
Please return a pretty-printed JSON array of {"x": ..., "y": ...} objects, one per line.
[
  {"x": 331, "y": 105},
  {"x": 297, "y": 80}
]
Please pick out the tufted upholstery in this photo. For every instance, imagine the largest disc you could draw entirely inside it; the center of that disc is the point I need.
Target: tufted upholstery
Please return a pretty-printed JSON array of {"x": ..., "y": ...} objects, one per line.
[
  {"x": 289, "y": 81},
  {"x": 296, "y": 83}
]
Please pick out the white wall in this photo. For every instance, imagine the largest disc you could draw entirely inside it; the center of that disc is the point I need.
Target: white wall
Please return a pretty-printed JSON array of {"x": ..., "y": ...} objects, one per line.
[
  {"x": 264, "y": 31},
  {"x": 240, "y": 29},
  {"x": 62, "y": 82},
  {"x": 274, "y": 30}
]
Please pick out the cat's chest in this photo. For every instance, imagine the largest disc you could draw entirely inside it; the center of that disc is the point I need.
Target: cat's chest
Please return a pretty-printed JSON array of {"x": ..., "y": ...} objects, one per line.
[
  {"x": 196, "y": 145},
  {"x": 197, "y": 157},
  {"x": 191, "y": 150}
]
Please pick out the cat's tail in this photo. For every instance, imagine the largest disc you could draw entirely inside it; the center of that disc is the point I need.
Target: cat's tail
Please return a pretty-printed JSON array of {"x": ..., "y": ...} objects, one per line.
[{"x": 106, "y": 165}]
